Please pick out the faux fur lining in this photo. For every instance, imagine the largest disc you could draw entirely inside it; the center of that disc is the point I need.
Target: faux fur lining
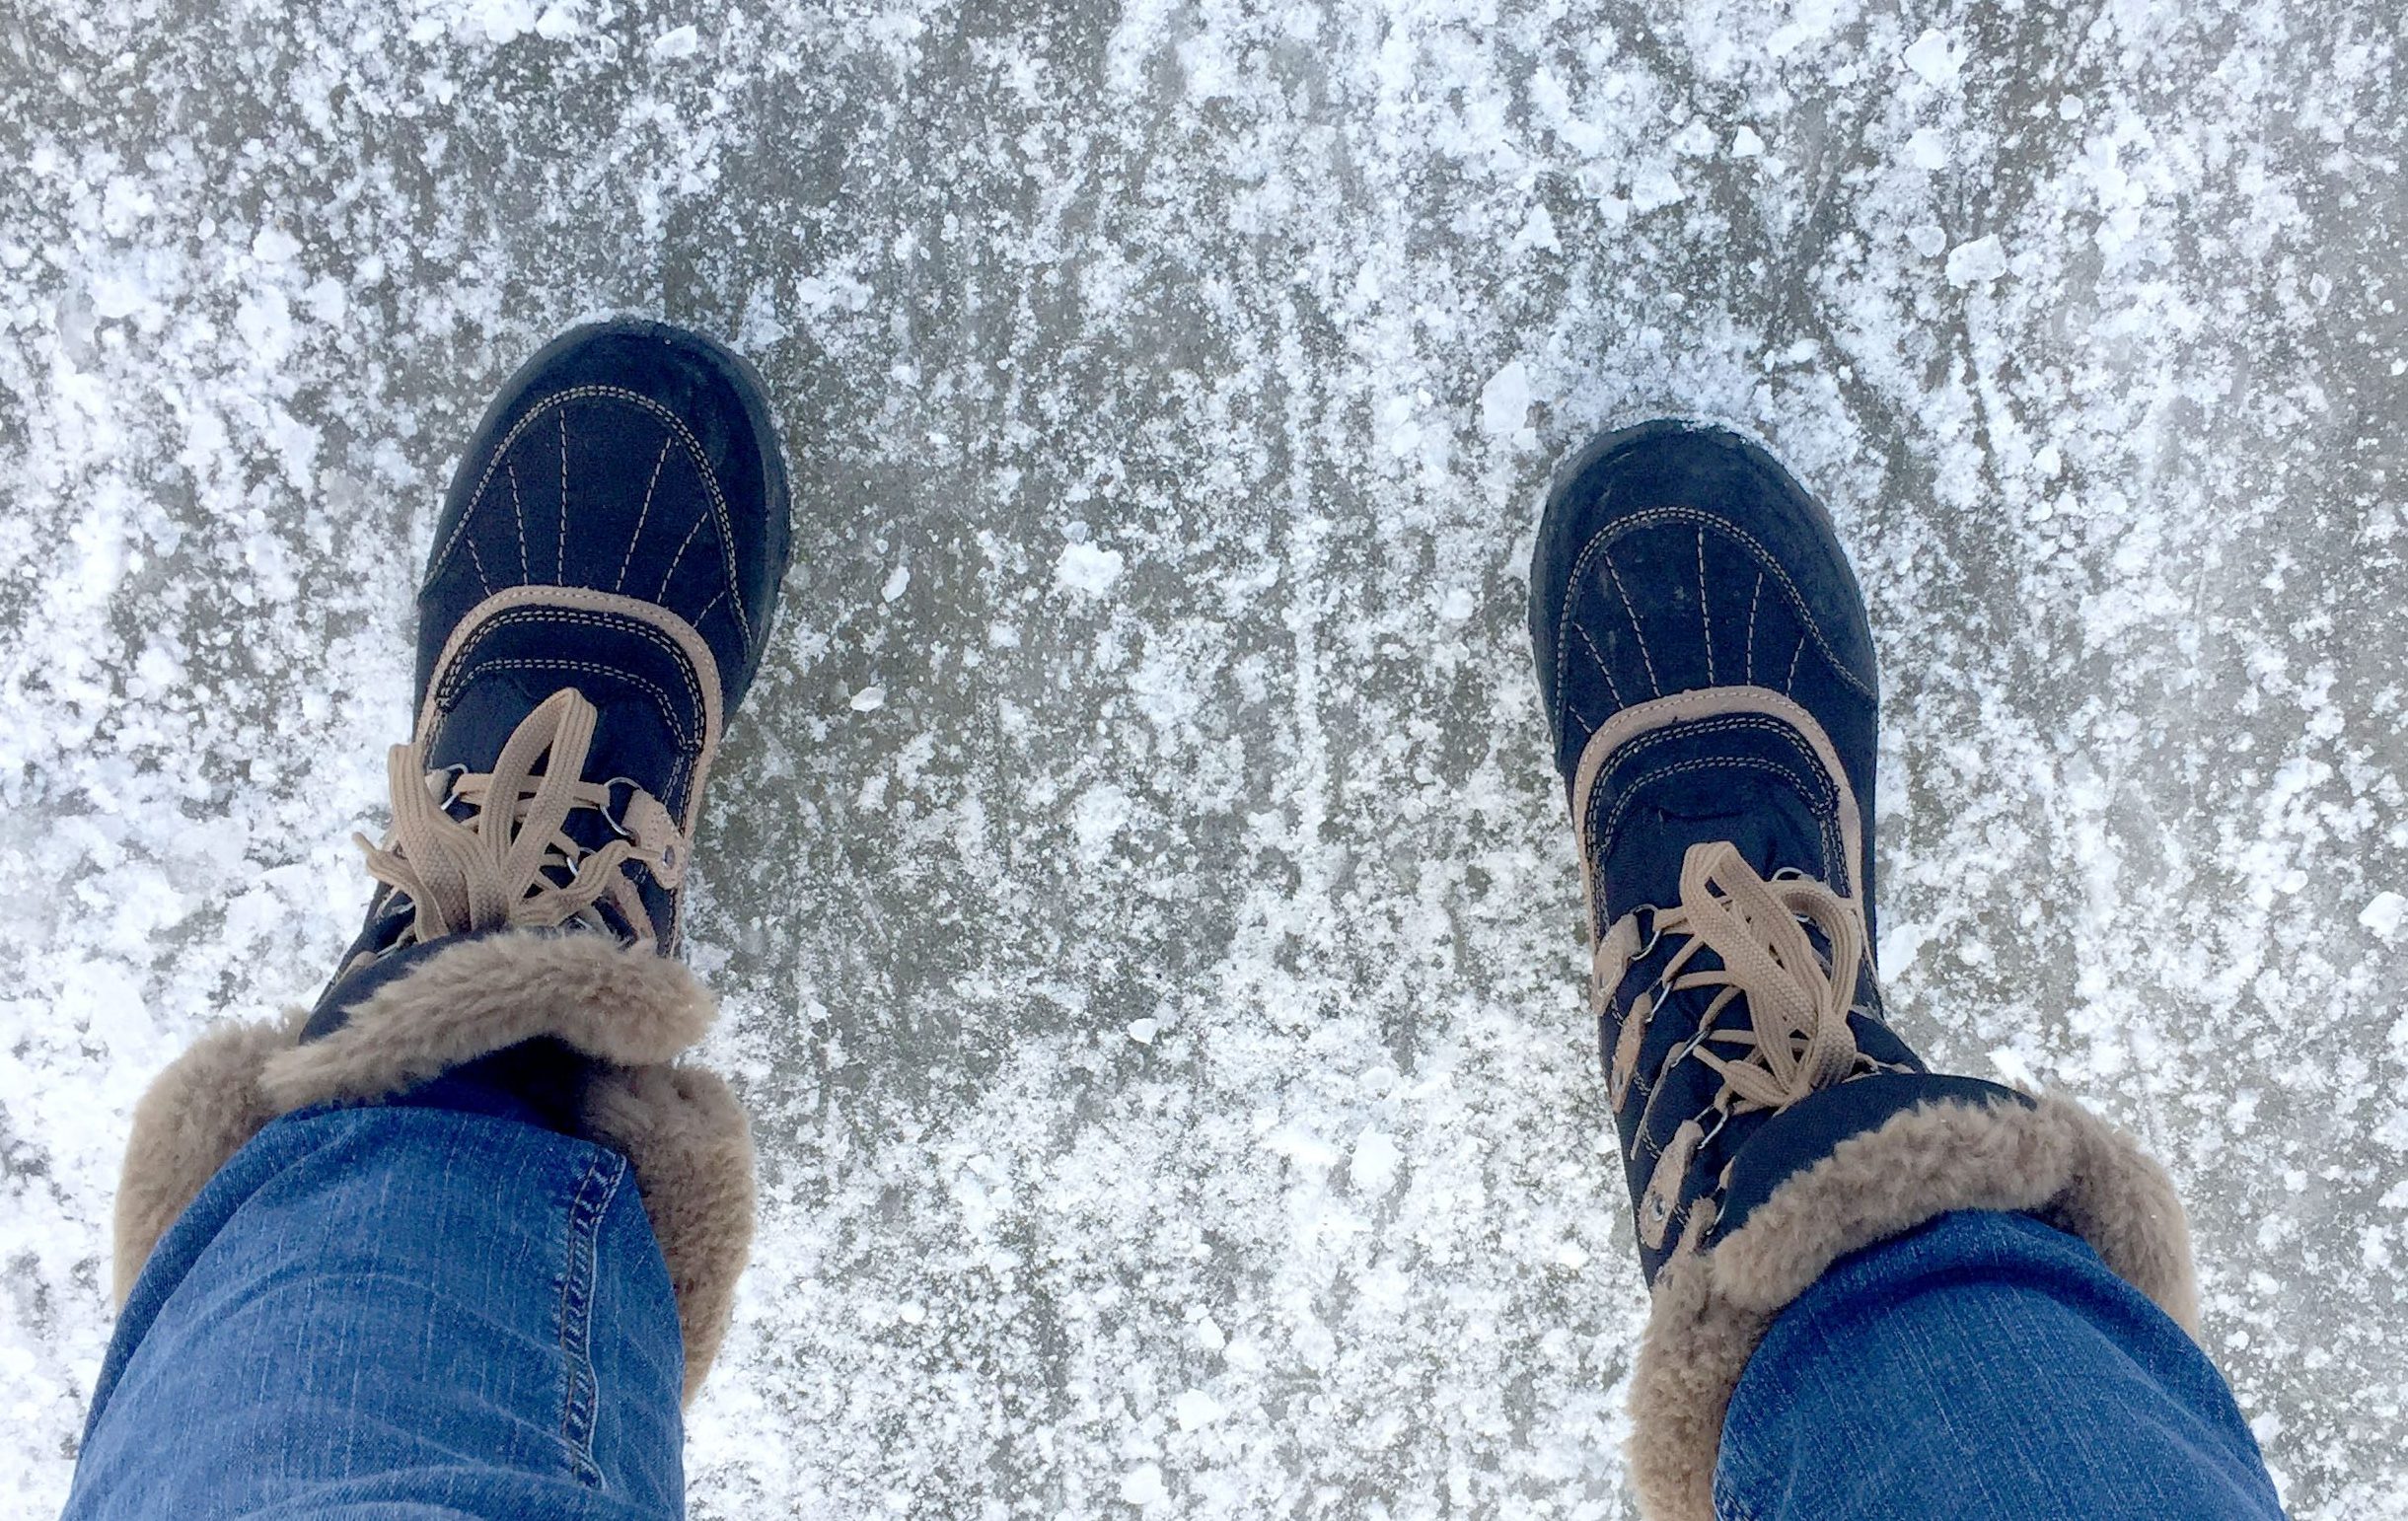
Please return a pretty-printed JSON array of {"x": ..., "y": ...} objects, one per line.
[
  {"x": 686, "y": 1138},
  {"x": 1712, "y": 1307},
  {"x": 682, "y": 1130},
  {"x": 193, "y": 1116},
  {"x": 612, "y": 1003}
]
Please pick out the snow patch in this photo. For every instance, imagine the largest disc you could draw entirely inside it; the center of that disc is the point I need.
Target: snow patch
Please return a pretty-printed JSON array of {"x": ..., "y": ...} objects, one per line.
[
  {"x": 1142, "y": 1485},
  {"x": 1194, "y": 1409},
  {"x": 1505, "y": 401},
  {"x": 1978, "y": 262},
  {"x": 1935, "y": 57},
  {"x": 2383, "y": 913},
  {"x": 1086, "y": 569},
  {"x": 1373, "y": 1167}
]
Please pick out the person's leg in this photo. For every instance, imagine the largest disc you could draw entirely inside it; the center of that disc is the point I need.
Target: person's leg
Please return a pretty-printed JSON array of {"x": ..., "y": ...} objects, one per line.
[
  {"x": 1984, "y": 1364},
  {"x": 396, "y": 1307},
  {"x": 1706, "y": 665},
  {"x": 460, "y": 1238}
]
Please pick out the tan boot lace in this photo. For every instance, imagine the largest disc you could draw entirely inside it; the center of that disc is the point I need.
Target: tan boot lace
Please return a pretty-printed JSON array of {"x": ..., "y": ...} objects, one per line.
[
  {"x": 1796, "y": 1040},
  {"x": 513, "y": 867}
]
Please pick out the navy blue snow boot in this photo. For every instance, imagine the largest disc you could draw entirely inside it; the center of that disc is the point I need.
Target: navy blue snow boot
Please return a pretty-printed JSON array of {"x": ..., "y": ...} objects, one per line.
[
  {"x": 598, "y": 598},
  {"x": 1708, "y": 671}
]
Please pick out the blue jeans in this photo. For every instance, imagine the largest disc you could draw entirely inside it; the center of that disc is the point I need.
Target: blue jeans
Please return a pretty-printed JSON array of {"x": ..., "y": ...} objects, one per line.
[
  {"x": 404, "y": 1311},
  {"x": 425, "y": 1311},
  {"x": 1984, "y": 1365}
]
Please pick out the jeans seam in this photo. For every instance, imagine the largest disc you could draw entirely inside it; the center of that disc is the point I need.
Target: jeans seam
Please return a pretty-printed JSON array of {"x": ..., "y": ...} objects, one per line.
[{"x": 580, "y": 1393}]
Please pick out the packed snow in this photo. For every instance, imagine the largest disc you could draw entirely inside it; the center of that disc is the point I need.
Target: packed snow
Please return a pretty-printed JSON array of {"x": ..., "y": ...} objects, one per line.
[{"x": 1143, "y": 905}]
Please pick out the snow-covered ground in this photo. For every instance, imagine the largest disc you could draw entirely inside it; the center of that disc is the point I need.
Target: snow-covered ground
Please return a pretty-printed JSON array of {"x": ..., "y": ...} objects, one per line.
[{"x": 1142, "y": 901}]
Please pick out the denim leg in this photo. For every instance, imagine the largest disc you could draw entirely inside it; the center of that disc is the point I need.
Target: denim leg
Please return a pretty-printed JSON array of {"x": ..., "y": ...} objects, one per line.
[
  {"x": 404, "y": 1311},
  {"x": 1984, "y": 1364}
]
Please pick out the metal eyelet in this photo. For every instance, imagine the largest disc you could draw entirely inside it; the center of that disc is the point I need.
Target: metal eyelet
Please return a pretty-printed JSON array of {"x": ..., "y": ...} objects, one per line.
[
  {"x": 1654, "y": 932},
  {"x": 611, "y": 805}
]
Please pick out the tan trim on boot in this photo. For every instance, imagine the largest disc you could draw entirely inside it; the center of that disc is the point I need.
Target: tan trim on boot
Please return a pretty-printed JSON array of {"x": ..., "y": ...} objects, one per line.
[
  {"x": 574, "y": 602},
  {"x": 682, "y": 1130},
  {"x": 574, "y": 605},
  {"x": 1696, "y": 706},
  {"x": 1710, "y": 1308}
]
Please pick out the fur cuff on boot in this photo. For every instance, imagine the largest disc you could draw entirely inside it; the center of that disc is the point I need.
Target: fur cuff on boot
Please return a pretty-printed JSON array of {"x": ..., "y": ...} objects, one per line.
[
  {"x": 2057, "y": 1161},
  {"x": 681, "y": 1129}
]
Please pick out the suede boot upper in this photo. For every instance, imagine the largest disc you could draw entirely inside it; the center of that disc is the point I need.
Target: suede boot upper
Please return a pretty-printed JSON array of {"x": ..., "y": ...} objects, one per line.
[
  {"x": 1706, "y": 668},
  {"x": 598, "y": 600}
]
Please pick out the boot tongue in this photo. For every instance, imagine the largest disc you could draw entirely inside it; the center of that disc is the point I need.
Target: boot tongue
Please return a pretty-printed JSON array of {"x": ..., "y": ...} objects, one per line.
[
  {"x": 631, "y": 742},
  {"x": 628, "y": 741},
  {"x": 1775, "y": 828}
]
